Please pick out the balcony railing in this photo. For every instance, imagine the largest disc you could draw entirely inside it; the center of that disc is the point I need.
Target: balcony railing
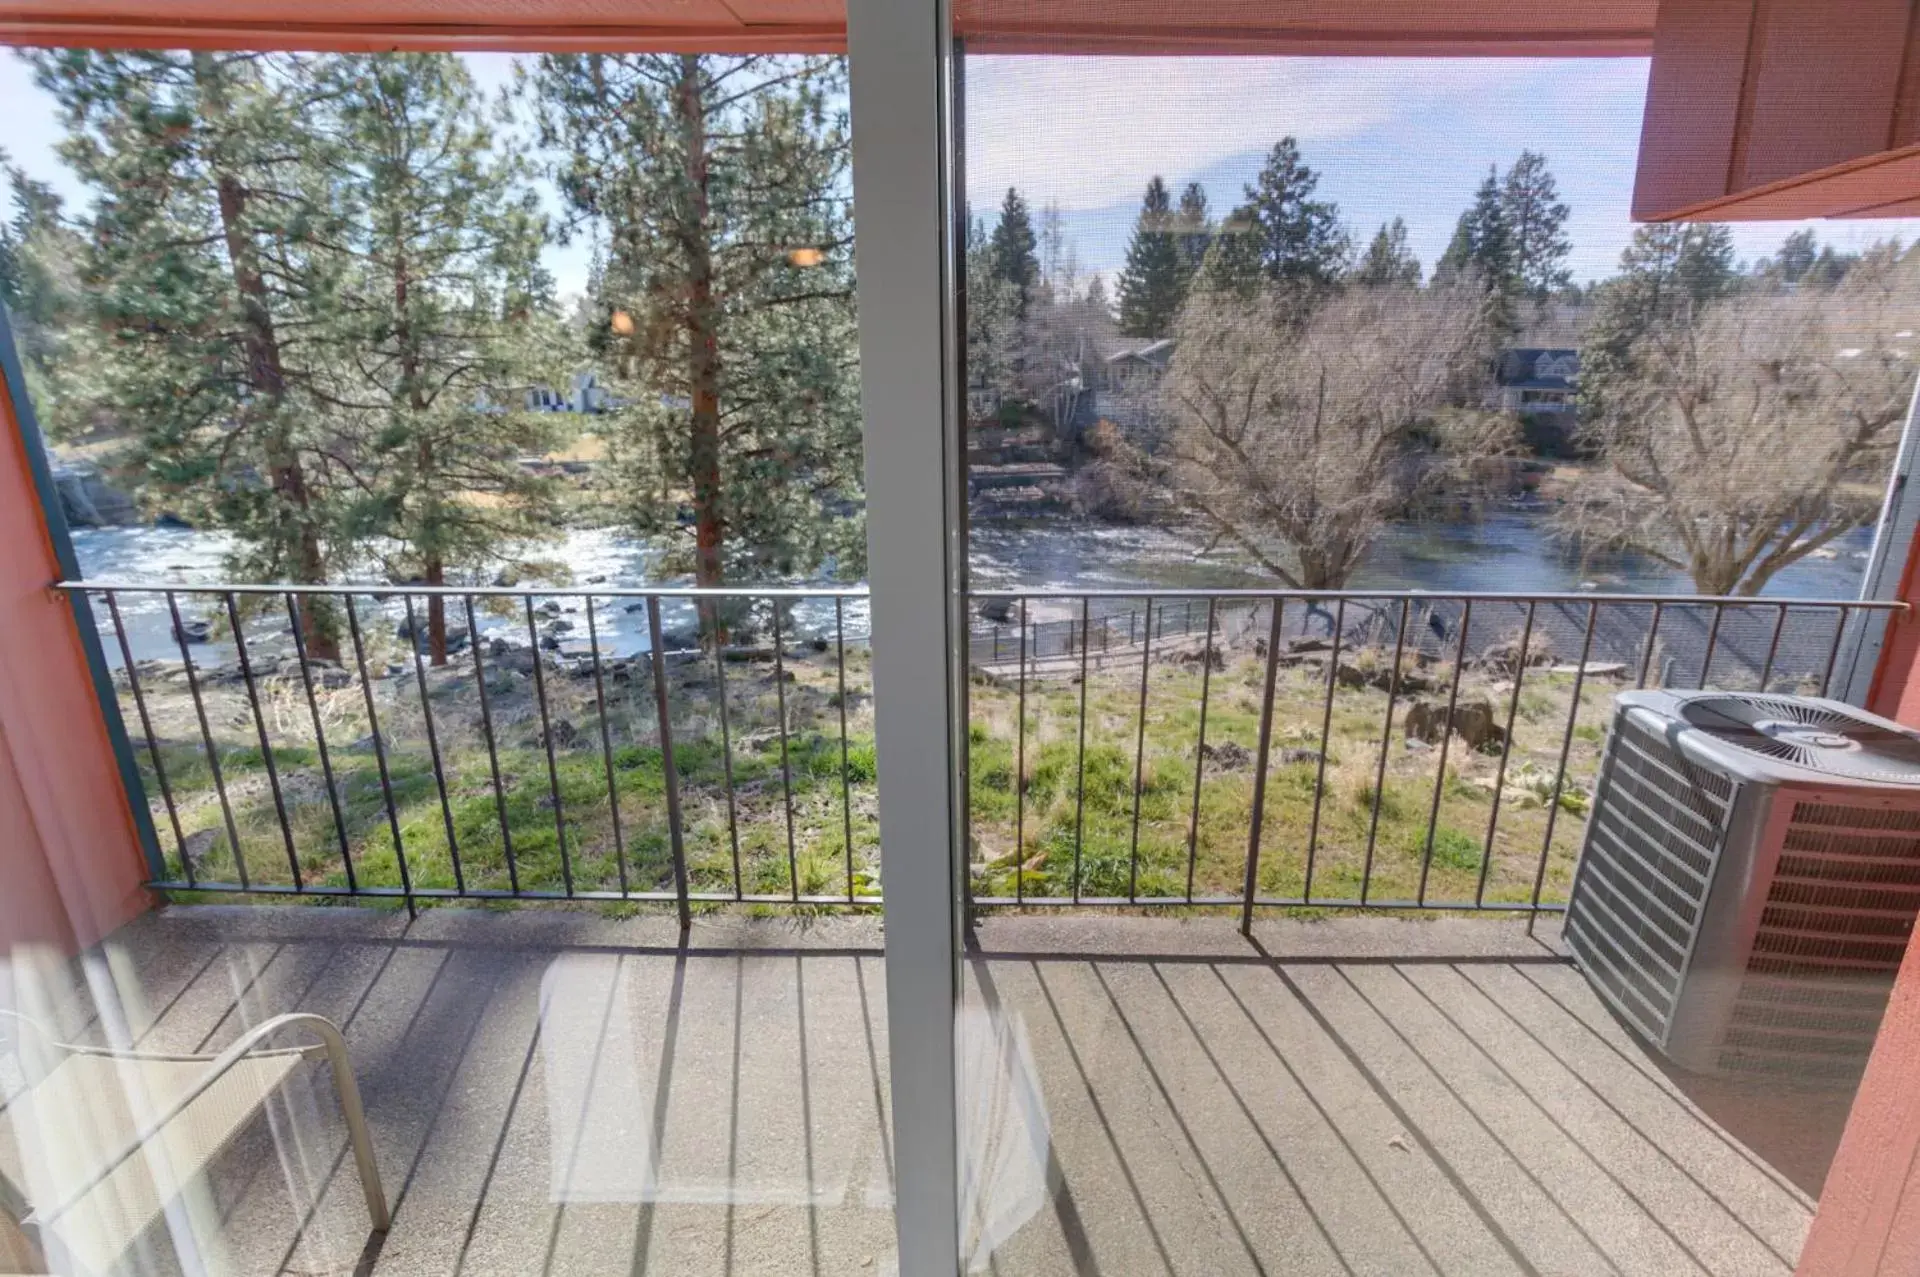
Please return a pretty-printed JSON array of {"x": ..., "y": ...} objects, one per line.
[
  {"x": 550, "y": 757},
  {"x": 1243, "y": 749},
  {"x": 1329, "y": 750}
]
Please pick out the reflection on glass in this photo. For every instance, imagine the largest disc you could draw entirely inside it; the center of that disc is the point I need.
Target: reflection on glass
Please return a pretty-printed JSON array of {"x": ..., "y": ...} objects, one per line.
[
  {"x": 385, "y": 388},
  {"x": 1377, "y": 336}
]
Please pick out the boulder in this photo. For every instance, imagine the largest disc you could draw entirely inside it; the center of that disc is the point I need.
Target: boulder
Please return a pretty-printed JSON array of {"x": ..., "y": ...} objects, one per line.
[
  {"x": 89, "y": 501},
  {"x": 1213, "y": 657},
  {"x": 1227, "y": 755},
  {"x": 194, "y": 631},
  {"x": 1479, "y": 726},
  {"x": 1295, "y": 756},
  {"x": 1425, "y": 722},
  {"x": 328, "y": 675},
  {"x": 1503, "y": 657},
  {"x": 519, "y": 660},
  {"x": 1380, "y": 678},
  {"x": 1474, "y": 722},
  {"x": 199, "y": 845},
  {"x": 999, "y": 611}
]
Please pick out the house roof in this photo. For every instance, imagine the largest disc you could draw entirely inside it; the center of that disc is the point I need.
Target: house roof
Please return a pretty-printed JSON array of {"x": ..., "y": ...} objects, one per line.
[{"x": 1538, "y": 368}]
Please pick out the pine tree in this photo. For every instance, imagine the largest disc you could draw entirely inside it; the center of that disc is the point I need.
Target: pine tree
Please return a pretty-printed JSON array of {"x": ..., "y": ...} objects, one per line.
[
  {"x": 1014, "y": 257},
  {"x": 1482, "y": 239},
  {"x": 1482, "y": 246},
  {"x": 1388, "y": 260},
  {"x": 443, "y": 294},
  {"x": 728, "y": 297},
  {"x": 1154, "y": 281},
  {"x": 1536, "y": 225},
  {"x": 1667, "y": 271},
  {"x": 1193, "y": 228},
  {"x": 207, "y": 249},
  {"x": 1281, "y": 235},
  {"x": 1703, "y": 267},
  {"x": 1796, "y": 256},
  {"x": 991, "y": 329},
  {"x": 40, "y": 259}
]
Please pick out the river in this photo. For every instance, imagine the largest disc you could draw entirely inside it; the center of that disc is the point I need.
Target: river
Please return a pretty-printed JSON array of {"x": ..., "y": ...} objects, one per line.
[{"x": 1509, "y": 549}]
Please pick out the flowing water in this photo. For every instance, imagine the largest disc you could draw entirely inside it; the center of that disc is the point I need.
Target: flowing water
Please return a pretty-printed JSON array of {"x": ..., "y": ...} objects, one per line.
[{"x": 1510, "y": 549}]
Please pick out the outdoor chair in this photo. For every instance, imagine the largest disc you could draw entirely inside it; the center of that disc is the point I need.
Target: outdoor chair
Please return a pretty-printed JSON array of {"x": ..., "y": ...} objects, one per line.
[{"x": 105, "y": 1140}]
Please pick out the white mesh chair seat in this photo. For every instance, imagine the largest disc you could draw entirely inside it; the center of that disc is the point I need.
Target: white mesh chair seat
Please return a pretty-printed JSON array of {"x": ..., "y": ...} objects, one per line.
[{"x": 102, "y": 1141}]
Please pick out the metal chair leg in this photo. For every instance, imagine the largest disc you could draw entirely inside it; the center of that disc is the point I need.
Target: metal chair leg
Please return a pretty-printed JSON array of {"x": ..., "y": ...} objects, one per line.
[{"x": 348, "y": 1089}]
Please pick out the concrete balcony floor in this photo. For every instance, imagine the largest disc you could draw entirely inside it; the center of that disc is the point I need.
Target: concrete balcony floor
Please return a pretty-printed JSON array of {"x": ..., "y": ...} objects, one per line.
[{"x": 558, "y": 1092}]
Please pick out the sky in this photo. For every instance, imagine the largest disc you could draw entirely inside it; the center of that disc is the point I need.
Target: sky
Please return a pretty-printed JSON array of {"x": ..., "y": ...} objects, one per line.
[{"x": 1410, "y": 137}]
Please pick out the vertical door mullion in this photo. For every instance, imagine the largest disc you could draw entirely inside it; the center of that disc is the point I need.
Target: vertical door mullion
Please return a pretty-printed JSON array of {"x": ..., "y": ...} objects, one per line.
[{"x": 899, "y": 56}]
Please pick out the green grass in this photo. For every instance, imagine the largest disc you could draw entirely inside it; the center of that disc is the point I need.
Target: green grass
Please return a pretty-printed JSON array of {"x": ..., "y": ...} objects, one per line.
[
  {"x": 1338, "y": 821},
  {"x": 1051, "y": 815}
]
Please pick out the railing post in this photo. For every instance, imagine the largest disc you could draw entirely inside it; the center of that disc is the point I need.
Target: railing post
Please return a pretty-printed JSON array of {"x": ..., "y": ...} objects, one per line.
[
  {"x": 1260, "y": 772},
  {"x": 657, "y": 657}
]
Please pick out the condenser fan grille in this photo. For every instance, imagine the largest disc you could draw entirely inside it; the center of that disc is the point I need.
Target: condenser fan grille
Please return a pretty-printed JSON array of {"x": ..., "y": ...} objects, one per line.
[{"x": 1817, "y": 737}]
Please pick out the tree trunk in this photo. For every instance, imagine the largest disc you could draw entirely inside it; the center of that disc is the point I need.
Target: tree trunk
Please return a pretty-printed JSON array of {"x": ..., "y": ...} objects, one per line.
[
  {"x": 267, "y": 376},
  {"x": 703, "y": 337},
  {"x": 436, "y": 574},
  {"x": 434, "y": 566}
]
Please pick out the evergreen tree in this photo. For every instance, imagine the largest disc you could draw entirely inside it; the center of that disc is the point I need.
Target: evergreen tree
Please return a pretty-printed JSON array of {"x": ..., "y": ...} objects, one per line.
[
  {"x": 1193, "y": 228},
  {"x": 1153, "y": 282},
  {"x": 441, "y": 303},
  {"x": 40, "y": 258},
  {"x": 1015, "y": 261},
  {"x": 1703, "y": 265},
  {"x": 1802, "y": 259},
  {"x": 991, "y": 330},
  {"x": 1482, "y": 247},
  {"x": 1281, "y": 234},
  {"x": 728, "y": 296},
  {"x": 207, "y": 238},
  {"x": 1536, "y": 226},
  {"x": 1482, "y": 239},
  {"x": 1796, "y": 256},
  {"x": 1831, "y": 267},
  {"x": 1667, "y": 271},
  {"x": 1388, "y": 260}
]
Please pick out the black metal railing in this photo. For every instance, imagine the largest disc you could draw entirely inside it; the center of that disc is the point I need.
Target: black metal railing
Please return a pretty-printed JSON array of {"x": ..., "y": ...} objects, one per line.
[
  {"x": 1346, "y": 749},
  {"x": 1245, "y": 749},
  {"x": 422, "y": 743}
]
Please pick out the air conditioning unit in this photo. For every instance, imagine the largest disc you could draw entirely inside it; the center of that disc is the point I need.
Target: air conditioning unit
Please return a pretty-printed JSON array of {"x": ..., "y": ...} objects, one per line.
[{"x": 1749, "y": 880}]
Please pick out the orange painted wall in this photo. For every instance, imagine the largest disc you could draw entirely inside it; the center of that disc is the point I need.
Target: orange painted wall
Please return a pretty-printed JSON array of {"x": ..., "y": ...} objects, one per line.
[
  {"x": 1412, "y": 27},
  {"x": 71, "y": 864},
  {"x": 1868, "y": 1224}
]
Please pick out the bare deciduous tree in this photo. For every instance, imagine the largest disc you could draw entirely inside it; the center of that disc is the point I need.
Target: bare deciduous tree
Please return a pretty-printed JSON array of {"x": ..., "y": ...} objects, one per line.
[
  {"x": 1297, "y": 442},
  {"x": 1757, "y": 428}
]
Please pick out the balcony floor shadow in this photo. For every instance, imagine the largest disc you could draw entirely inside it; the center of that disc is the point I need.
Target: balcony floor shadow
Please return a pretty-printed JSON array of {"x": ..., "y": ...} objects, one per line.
[{"x": 555, "y": 1091}]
